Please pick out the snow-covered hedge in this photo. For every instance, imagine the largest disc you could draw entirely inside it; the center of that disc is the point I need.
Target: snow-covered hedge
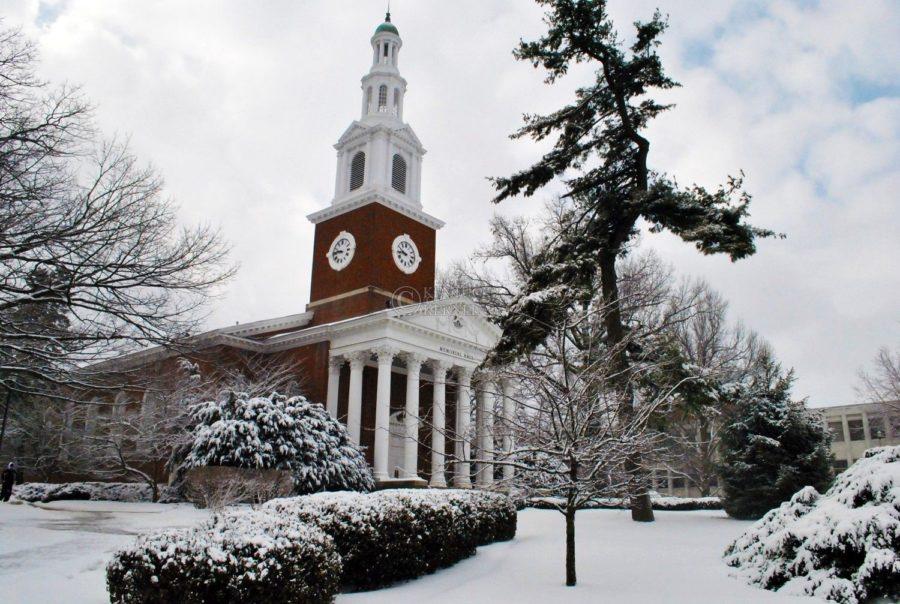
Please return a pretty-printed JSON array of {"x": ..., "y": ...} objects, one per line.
[
  {"x": 841, "y": 546},
  {"x": 277, "y": 432},
  {"x": 94, "y": 491},
  {"x": 398, "y": 535},
  {"x": 679, "y": 504},
  {"x": 240, "y": 556}
]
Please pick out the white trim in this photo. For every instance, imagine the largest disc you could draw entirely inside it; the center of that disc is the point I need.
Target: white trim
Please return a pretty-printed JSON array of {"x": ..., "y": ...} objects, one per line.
[{"x": 368, "y": 196}]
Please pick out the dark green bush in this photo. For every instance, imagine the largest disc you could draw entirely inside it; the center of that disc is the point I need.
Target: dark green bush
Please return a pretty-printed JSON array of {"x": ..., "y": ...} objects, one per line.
[
  {"x": 392, "y": 536},
  {"x": 242, "y": 556}
]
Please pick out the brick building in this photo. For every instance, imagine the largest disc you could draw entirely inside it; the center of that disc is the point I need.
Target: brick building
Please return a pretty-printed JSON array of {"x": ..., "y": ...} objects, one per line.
[{"x": 396, "y": 366}]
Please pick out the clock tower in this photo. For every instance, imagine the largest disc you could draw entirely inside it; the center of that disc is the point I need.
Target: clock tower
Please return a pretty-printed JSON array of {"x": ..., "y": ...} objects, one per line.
[{"x": 374, "y": 244}]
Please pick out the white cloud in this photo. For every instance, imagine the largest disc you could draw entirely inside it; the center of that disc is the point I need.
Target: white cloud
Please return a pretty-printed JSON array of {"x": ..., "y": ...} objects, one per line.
[{"x": 238, "y": 105}]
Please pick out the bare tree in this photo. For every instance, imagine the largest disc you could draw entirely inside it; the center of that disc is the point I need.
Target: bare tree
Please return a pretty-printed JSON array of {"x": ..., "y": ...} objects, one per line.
[
  {"x": 715, "y": 354},
  {"x": 92, "y": 260},
  {"x": 571, "y": 443},
  {"x": 142, "y": 437},
  {"x": 881, "y": 385}
]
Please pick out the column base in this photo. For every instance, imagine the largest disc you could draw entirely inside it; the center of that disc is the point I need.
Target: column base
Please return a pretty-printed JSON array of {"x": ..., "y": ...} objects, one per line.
[
  {"x": 439, "y": 483},
  {"x": 400, "y": 483},
  {"x": 462, "y": 483}
]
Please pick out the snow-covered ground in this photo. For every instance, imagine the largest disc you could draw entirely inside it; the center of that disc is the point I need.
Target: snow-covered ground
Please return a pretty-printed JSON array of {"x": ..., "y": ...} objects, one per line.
[{"x": 57, "y": 553}]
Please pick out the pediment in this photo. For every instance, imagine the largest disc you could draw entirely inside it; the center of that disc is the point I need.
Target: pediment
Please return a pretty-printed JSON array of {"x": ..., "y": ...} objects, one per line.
[
  {"x": 458, "y": 318},
  {"x": 355, "y": 129}
]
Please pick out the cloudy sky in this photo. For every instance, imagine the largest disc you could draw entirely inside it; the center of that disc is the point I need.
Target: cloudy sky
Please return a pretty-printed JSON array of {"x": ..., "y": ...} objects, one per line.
[{"x": 238, "y": 105}]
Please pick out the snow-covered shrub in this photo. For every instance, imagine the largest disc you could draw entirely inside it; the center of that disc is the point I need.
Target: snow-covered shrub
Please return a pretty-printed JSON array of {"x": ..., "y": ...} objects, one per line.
[
  {"x": 216, "y": 487},
  {"x": 95, "y": 491},
  {"x": 277, "y": 432},
  {"x": 842, "y": 545},
  {"x": 398, "y": 535},
  {"x": 671, "y": 504},
  {"x": 236, "y": 557}
]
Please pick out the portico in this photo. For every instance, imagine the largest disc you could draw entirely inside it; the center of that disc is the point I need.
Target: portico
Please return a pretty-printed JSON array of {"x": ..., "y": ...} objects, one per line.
[{"x": 405, "y": 380}]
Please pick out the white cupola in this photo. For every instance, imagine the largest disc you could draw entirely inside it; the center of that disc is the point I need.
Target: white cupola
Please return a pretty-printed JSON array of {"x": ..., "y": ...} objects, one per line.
[{"x": 380, "y": 155}]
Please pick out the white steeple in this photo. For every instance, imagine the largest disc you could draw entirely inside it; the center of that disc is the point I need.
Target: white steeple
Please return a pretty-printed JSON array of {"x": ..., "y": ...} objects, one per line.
[{"x": 379, "y": 156}]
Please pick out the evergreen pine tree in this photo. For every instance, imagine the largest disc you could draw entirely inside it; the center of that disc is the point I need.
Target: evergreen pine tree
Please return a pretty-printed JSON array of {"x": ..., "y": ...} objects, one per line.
[
  {"x": 277, "y": 432},
  {"x": 772, "y": 446},
  {"x": 602, "y": 154}
]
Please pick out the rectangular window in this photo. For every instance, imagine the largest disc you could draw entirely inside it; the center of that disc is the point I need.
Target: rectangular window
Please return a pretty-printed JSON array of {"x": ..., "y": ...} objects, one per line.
[
  {"x": 662, "y": 483},
  {"x": 678, "y": 482},
  {"x": 714, "y": 481},
  {"x": 837, "y": 431},
  {"x": 855, "y": 427},
  {"x": 895, "y": 425},
  {"x": 876, "y": 427},
  {"x": 839, "y": 465}
]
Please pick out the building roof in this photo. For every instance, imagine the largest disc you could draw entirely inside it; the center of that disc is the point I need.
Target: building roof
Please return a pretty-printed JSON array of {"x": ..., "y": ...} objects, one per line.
[{"x": 387, "y": 26}]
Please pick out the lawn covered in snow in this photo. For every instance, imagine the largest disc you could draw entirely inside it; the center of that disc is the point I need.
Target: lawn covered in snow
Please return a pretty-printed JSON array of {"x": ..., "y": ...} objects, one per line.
[{"x": 57, "y": 553}]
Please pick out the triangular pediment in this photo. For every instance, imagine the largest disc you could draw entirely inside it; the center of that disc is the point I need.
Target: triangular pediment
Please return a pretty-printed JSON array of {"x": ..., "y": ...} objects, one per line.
[
  {"x": 355, "y": 129},
  {"x": 459, "y": 318}
]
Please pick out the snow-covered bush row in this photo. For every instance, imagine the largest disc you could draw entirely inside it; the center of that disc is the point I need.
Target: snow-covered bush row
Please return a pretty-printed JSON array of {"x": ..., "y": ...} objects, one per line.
[
  {"x": 841, "y": 546},
  {"x": 93, "y": 491},
  {"x": 398, "y": 535},
  {"x": 680, "y": 504},
  {"x": 236, "y": 557},
  {"x": 277, "y": 432}
]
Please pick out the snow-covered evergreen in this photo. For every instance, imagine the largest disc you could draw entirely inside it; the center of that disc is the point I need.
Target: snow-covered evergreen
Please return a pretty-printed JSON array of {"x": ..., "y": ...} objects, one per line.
[
  {"x": 277, "y": 432},
  {"x": 842, "y": 545},
  {"x": 771, "y": 446}
]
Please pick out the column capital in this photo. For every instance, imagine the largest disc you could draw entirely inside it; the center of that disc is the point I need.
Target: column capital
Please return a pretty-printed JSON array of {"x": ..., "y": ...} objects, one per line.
[
  {"x": 464, "y": 375},
  {"x": 359, "y": 358},
  {"x": 385, "y": 354},
  {"x": 336, "y": 361},
  {"x": 439, "y": 369},
  {"x": 414, "y": 360}
]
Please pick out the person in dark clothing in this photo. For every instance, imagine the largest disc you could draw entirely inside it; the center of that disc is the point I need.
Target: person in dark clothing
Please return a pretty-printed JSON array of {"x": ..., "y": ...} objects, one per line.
[{"x": 7, "y": 479}]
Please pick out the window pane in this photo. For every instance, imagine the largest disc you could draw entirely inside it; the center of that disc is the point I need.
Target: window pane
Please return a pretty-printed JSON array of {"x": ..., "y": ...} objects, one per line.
[
  {"x": 855, "y": 427},
  {"x": 837, "y": 431},
  {"x": 876, "y": 427}
]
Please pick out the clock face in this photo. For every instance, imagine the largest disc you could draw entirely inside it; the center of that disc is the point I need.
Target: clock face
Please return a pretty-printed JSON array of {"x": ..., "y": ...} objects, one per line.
[
  {"x": 341, "y": 251},
  {"x": 406, "y": 254}
]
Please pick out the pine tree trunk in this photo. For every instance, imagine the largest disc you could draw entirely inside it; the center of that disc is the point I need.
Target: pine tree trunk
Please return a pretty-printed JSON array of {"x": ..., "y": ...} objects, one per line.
[
  {"x": 570, "y": 547},
  {"x": 641, "y": 508}
]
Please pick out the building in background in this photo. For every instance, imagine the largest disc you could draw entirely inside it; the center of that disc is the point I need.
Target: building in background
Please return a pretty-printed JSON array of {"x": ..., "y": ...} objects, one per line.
[{"x": 857, "y": 427}]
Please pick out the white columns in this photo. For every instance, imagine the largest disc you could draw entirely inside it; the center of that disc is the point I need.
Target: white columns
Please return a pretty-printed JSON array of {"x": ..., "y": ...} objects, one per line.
[
  {"x": 509, "y": 411},
  {"x": 438, "y": 411},
  {"x": 411, "y": 420},
  {"x": 383, "y": 412},
  {"x": 485, "y": 435},
  {"x": 461, "y": 477},
  {"x": 354, "y": 404},
  {"x": 334, "y": 380}
]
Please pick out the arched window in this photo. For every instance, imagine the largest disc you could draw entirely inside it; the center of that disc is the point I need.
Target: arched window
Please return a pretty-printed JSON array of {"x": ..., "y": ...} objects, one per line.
[
  {"x": 368, "y": 99},
  {"x": 382, "y": 96},
  {"x": 398, "y": 173},
  {"x": 357, "y": 170},
  {"x": 396, "y": 98}
]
